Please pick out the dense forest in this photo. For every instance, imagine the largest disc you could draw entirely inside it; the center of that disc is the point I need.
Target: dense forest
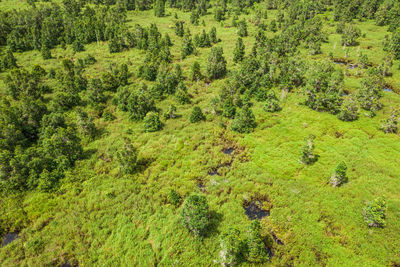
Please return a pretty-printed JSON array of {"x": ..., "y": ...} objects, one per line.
[{"x": 199, "y": 133}]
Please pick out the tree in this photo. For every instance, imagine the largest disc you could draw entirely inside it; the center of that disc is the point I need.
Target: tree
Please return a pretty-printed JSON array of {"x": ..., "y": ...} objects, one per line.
[
  {"x": 375, "y": 213},
  {"x": 95, "y": 92},
  {"x": 187, "y": 46},
  {"x": 238, "y": 53},
  {"x": 77, "y": 46},
  {"x": 195, "y": 215},
  {"x": 46, "y": 53},
  {"x": 272, "y": 26},
  {"x": 370, "y": 92},
  {"x": 348, "y": 110},
  {"x": 339, "y": 177},
  {"x": 182, "y": 95},
  {"x": 307, "y": 155},
  {"x": 194, "y": 17},
  {"x": 152, "y": 122},
  {"x": 395, "y": 44},
  {"x": 231, "y": 245},
  {"x": 159, "y": 8},
  {"x": 179, "y": 28},
  {"x": 195, "y": 72},
  {"x": 242, "y": 28},
  {"x": 127, "y": 158},
  {"x": 216, "y": 67},
  {"x": 171, "y": 113},
  {"x": 213, "y": 35},
  {"x": 85, "y": 124},
  {"x": 197, "y": 115},
  {"x": 272, "y": 103},
  {"x": 255, "y": 246},
  {"x": 244, "y": 121},
  {"x": 350, "y": 35},
  {"x": 391, "y": 124},
  {"x": 9, "y": 61}
]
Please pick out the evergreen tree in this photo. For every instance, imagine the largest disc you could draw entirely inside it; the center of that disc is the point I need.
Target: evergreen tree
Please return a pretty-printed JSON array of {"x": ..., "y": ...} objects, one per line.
[
  {"x": 195, "y": 72},
  {"x": 348, "y": 110},
  {"x": 238, "y": 53},
  {"x": 375, "y": 213},
  {"x": 171, "y": 113},
  {"x": 159, "y": 8},
  {"x": 244, "y": 121},
  {"x": 216, "y": 67},
  {"x": 195, "y": 215},
  {"x": 152, "y": 122},
  {"x": 127, "y": 158},
  {"x": 187, "y": 46},
  {"x": 46, "y": 53},
  {"x": 197, "y": 115},
  {"x": 179, "y": 30},
  {"x": 255, "y": 246},
  {"x": 182, "y": 95},
  {"x": 242, "y": 28},
  {"x": 231, "y": 246},
  {"x": 308, "y": 157},
  {"x": 194, "y": 17},
  {"x": 272, "y": 103},
  {"x": 339, "y": 177}
]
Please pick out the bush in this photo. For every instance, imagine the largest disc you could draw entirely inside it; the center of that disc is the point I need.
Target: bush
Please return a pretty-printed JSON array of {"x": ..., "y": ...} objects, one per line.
[
  {"x": 231, "y": 247},
  {"x": 182, "y": 95},
  {"x": 127, "y": 158},
  {"x": 256, "y": 252},
  {"x": 350, "y": 35},
  {"x": 174, "y": 198},
  {"x": 216, "y": 67},
  {"x": 195, "y": 72},
  {"x": 152, "y": 122},
  {"x": 348, "y": 110},
  {"x": 339, "y": 177},
  {"x": 307, "y": 156},
  {"x": 170, "y": 114},
  {"x": 391, "y": 125},
  {"x": 195, "y": 215},
  {"x": 375, "y": 213},
  {"x": 244, "y": 121},
  {"x": 272, "y": 103},
  {"x": 197, "y": 115}
]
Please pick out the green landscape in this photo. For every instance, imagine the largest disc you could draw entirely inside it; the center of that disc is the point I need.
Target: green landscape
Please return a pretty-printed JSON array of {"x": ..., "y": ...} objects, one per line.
[{"x": 200, "y": 133}]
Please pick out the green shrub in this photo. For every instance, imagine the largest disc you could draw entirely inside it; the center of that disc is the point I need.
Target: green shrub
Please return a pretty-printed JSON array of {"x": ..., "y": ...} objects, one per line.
[
  {"x": 216, "y": 67},
  {"x": 307, "y": 156},
  {"x": 127, "y": 158},
  {"x": 197, "y": 115},
  {"x": 256, "y": 252},
  {"x": 375, "y": 213},
  {"x": 340, "y": 176},
  {"x": 391, "y": 124},
  {"x": 195, "y": 215},
  {"x": 348, "y": 110},
  {"x": 231, "y": 245},
  {"x": 272, "y": 103},
  {"x": 174, "y": 198},
  {"x": 244, "y": 121},
  {"x": 152, "y": 122}
]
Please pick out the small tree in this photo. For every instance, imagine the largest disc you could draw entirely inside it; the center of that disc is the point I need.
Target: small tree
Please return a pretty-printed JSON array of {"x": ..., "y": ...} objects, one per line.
[
  {"x": 238, "y": 53},
  {"x": 195, "y": 72},
  {"x": 182, "y": 95},
  {"x": 197, "y": 115},
  {"x": 187, "y": 46},
  {"x": 9, "y": 61},
  {"x": 391, "y": 124},
  {"x": 179, "y": 28},
  {"x": 272, "y": 26},
  {"x": 231, "y": 247},
  {"x": 85, "y": 124},
  {"x": 242, "y": 28},
  {"x": 255, "y": 246},
  {"x": 152, "y": 122},
  {"x": 46, "y": 53},
  {"x": 127, "y": 158},
  {"x": 350, "y": 35},
  {"x": 339, "y": 177},
  {"x": 194, "y": 17},
  {"x": 77, "y": 46},
  {"x": 307, "y": 156},
  {"x": 195, "y": 215},
  {"x": 348, "y": 110},
  {"x": 216, "y": 67},
  {"x": 272, "y": 103},
  {"x": 213, "y": 35},
  {"x": 375, "y": 213},
  {"x": 159, "y": 8},
  {"x": 171, "y": 113},
  {"x": 244, "y": 121}
]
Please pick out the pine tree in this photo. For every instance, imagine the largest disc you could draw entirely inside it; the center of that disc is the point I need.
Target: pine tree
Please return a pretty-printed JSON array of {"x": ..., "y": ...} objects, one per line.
[
  {"x": 244, "y": 121},
  {"x": 238, "y": 53},
  {"x": 339, "y": 177},
  {"x": 308, "y": 157},
  {"x": 195, "y": 72},
  {"x": 159, "y": 8},
  {"x": 255, "y": 246},
  {"x": 242, "y": 28},
  {"x": 197, "y": 115},
  {"x": 195, "y": 215},
  {"x": 152, "y": 122},
  {"x": 187, "y": 46},
  {"x": 216, "y": 67},
  {"x": 46, "y": 53}
]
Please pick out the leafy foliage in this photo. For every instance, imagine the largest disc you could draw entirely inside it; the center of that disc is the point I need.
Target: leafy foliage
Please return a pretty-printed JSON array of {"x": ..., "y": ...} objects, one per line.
[{"x": 195, "y": 215}]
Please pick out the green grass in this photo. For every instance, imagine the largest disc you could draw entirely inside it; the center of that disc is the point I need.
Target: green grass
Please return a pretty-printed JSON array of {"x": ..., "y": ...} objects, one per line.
[{"x": 100, "y": 218}]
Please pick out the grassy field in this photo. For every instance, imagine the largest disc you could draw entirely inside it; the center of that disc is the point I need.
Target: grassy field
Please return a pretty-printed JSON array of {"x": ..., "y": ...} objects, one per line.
[{"x": 102, "y": 218}]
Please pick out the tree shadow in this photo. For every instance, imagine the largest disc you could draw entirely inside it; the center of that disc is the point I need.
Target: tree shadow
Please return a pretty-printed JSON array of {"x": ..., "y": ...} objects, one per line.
[{"x": 215, "y": 221}]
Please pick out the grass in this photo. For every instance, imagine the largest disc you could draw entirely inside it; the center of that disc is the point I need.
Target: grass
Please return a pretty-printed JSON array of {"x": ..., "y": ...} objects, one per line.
[{"x": 100, "y": 218}]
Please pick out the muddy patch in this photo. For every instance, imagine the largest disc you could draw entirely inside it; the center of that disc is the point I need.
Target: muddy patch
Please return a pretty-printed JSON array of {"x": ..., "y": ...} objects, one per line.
[
  {"x": 9, "y": 238},
  {"x": 228, "y": 151},
  {"x": 254, "y": 210}
]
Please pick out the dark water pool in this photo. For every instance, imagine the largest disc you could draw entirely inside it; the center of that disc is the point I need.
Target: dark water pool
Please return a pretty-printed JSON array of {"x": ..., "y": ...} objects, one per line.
[
  {"x": 228, "y": 151},
  {"x": 386, "y": 89},
  {"x": 254, "y": 210},
  {"x": 8, "y": 238}
]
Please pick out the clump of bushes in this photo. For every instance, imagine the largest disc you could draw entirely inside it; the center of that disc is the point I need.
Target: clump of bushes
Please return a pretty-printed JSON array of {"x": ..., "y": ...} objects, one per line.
[
  {"x": 197, "y": 115},
  {"x": 340, "y": 176},
  {"x": 391, "y": 124}
]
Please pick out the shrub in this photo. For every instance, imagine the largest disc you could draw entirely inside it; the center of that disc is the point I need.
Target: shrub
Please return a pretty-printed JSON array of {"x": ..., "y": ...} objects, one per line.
[
  {"x": 272, "y": 103},
  {"x": 375, "y": 213},
  {"x": 195, "y": 72},
  {"x": 391, "y": 125},
  {"x": 339, "y": 177},
  {"x": 244, "y": 121},
  {"x": 152, "y": 122},
  {"x": 197, "y": 115},
  {"x": 238, "y": 53},
  {"x": 242, "y": 28},
  {"x": 307, "y": 156},
  {"x": 127, "y": 158},
  {"x": 170, "y": 114},
  {"x": 174, "y": 198},
  {"x": 350, "y": 35},
  {"x": 195, "y": 215},
  {"x": 182, "y": 95},
  {"x": 348, "y": 110},
  {"x": 231, "y": 245},
  {"x": 256, "y": 252}
]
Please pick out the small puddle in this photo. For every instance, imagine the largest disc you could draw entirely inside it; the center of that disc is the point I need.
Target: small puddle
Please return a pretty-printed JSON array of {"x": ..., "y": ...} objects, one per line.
[
  {"x": 8, "y": 238},
  {"x": 254, "y": 210},
  {"x": 213, "y": 172},
  {"x": 339, "y": 62},
  {"x": 353, "y": 66},
  {"x": 387, "y": 89},
  {"x": 228, "y": 151}
]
